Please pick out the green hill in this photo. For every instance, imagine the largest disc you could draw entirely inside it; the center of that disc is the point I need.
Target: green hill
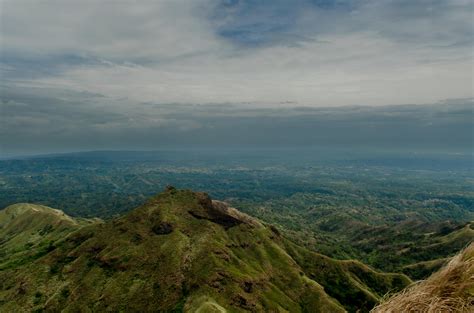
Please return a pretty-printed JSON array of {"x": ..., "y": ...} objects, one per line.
[
  {"x": 180, "y": 251},
  {"x": 28, "y": 231}
]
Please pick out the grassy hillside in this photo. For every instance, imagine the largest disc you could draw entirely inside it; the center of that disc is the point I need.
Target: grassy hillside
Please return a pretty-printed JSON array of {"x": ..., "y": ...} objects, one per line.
[
  {"x": 181, "y": 251},
  {"x": 357, "y": 284},
  {"x": 28, "y": 231},
  {"x": 451, "y": 289}
]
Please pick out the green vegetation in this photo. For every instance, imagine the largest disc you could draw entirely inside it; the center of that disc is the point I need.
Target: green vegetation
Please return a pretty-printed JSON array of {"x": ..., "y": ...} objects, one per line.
[
  {"x": 206, "y": 257},
  {"x": 405, "y": 214},
  {"x": 28, "y": 232}
]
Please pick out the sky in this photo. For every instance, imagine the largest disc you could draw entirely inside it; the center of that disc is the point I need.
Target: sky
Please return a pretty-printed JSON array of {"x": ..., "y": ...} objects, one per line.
[{"x": 79, "y": 75}]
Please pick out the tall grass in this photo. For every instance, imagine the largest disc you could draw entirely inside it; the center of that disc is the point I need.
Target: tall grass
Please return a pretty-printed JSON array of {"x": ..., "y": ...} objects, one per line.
[{"x": 451, "y": 289}]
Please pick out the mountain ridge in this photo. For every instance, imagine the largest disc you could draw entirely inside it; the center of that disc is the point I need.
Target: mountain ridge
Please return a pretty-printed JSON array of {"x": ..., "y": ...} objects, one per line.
[{"x": 182, "y": 251}]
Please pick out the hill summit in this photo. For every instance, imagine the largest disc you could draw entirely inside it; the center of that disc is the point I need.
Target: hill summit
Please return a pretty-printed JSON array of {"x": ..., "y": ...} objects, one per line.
[{"x": 180, "y": 251}]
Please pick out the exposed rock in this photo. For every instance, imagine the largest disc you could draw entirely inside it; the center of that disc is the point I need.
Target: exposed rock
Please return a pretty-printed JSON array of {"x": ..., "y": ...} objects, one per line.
[
  {"x": 162, "y": 228},
  {"x": 216, "y": 212}
]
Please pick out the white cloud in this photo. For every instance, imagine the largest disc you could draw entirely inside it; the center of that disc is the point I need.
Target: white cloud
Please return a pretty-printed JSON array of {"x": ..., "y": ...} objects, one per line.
[
  {"x": 342, "y": 70},
  {"x": 168, "y": 51},
  {"x": 125, "y": 30}
]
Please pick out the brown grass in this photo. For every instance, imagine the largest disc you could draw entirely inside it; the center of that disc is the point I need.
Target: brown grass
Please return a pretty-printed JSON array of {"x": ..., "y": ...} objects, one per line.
[{"x": 451, "y": 289}]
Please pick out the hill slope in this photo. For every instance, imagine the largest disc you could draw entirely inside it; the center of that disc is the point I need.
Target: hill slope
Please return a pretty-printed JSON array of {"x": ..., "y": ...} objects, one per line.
[
  {"x": 449, "y": 290},
  {"x": 181, "y": 251},
  {"x": 28, "y": 231}
]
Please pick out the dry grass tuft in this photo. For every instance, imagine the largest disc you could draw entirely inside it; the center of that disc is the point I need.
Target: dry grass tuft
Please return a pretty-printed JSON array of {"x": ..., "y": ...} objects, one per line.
[{"x": 451, "y": 289}]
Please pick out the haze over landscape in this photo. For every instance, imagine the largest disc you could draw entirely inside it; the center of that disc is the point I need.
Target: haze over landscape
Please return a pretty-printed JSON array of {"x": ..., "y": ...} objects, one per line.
[{"x": 236, "y": 156}]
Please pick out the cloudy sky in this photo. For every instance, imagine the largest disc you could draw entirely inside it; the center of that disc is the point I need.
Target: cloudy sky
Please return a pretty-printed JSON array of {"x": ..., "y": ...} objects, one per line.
[{"x": 140, "y": 74}]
